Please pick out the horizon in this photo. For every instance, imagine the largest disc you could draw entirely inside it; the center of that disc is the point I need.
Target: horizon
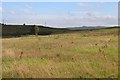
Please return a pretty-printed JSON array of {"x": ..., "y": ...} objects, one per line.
[
  {"x": 61, "y": 14},
  {"x": 60, "y": 27}
]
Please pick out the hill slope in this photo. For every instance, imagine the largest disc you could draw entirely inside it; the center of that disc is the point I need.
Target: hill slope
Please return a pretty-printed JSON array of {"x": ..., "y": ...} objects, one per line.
[{"x": 82, "y": 54}]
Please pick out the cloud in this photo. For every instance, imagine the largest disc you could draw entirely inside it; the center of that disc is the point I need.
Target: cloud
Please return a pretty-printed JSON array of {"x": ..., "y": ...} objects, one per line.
[
  {"x": 1, "y": 10},
  {"x": 74, "y": 13},
  {"x": 65, "y": 21},
  {"x": 83, "y": 13},
  {"x": 22, "y": 12},
  {"x": 85, "y": 5},
  {"x": 12, "y": 12},
  {"x": 28, "y": 6},
  {"x": 89, "y": 5},
  {"x": 27, "y": 12},
  {"x": 90, "y": 13}
]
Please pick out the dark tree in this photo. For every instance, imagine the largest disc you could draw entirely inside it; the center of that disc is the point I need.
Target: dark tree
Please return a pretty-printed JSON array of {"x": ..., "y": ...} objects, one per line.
[
  {"x": 23, "y": 24},
  {"x": 35, "y": 30}
]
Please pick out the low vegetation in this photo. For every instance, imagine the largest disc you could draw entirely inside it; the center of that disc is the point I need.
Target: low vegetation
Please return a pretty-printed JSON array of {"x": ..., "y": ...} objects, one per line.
[{"x": 83, "y": 54}]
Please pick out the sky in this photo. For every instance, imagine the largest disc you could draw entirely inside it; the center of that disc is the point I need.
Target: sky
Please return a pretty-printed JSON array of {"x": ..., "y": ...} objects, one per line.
[{"x": 60, "y": 14}]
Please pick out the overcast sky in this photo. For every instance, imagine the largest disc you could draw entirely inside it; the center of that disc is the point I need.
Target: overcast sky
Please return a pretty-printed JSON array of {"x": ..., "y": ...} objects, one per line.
[{"x": 60, "y": 14}]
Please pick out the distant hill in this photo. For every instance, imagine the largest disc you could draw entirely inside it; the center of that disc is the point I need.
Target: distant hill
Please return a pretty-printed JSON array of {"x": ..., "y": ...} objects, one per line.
[
  {"x": 21, "y": 30},
  {"x": 86, "y": 28}
]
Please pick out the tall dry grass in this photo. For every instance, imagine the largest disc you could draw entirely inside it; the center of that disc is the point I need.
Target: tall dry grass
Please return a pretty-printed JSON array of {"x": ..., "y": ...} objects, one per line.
[{"x": 87, "y": 54}]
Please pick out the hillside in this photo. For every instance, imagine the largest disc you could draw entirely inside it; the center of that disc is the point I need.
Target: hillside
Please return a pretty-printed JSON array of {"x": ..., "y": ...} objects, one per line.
[
  {"x": 82, "y": 54},
  {"x": 25, "y": 30},
  {"x": 20, "y": 30}
]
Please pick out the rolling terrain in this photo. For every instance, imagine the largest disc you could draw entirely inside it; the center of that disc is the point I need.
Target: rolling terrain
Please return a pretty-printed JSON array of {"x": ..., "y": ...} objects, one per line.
[{"x": 80, "y": 54}]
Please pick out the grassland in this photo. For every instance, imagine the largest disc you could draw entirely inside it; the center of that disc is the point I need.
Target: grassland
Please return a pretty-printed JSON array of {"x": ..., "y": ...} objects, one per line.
[{"x": 83, "y": 54}]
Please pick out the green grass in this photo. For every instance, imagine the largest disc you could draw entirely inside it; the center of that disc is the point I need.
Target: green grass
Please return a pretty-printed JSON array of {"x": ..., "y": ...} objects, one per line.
[{"x": 86, "y": 54}]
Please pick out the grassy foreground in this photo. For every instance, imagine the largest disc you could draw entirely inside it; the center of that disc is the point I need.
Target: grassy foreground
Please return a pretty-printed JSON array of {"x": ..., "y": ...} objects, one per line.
[{"x": 84, "y": 54}]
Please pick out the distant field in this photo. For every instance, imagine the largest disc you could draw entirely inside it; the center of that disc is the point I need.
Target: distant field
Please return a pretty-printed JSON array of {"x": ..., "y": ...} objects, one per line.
[{"x": 83, "y": 54}]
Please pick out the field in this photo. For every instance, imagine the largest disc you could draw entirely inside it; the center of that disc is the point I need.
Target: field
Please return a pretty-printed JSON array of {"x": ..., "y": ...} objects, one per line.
[{"x": 83, "y": 54}]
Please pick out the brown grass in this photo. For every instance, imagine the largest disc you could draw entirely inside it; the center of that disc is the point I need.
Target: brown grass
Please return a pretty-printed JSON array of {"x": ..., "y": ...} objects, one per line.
[{"x": 83, "y": 54}]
